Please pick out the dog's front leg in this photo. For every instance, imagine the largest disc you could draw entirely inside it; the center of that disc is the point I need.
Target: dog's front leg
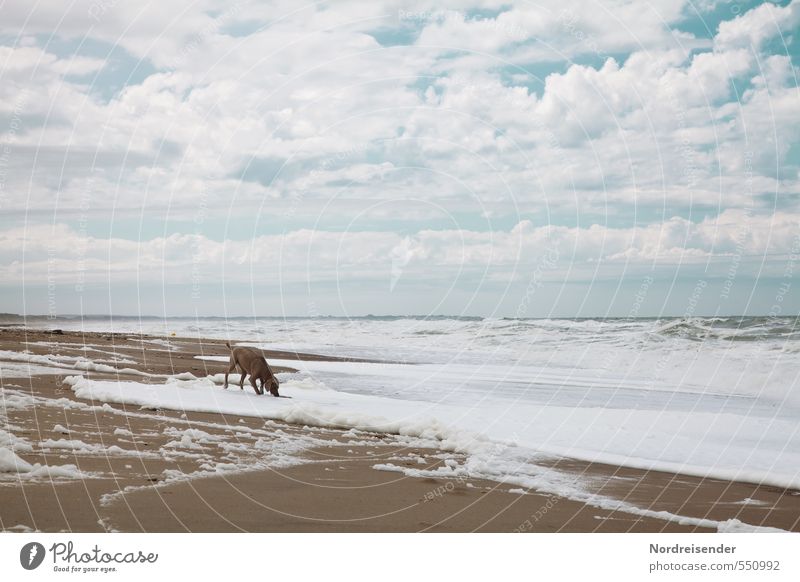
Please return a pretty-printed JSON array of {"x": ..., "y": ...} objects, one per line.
[{"x": 255, "y": 386}]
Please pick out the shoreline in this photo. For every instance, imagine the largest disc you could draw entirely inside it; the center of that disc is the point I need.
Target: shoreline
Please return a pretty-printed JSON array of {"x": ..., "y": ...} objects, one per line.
[{"x": 327, "y": 481}]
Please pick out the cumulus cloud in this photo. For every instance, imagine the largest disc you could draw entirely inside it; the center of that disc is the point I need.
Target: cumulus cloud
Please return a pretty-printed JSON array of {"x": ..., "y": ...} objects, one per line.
[
  {"x": 358, "y": 117},
  {"x": 629, "y": 126},
  {"x": 755, "y": 27},
  {"x": 58, "y": 253}
]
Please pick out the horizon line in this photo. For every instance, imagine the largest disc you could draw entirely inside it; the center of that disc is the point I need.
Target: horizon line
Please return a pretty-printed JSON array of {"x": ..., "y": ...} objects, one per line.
[{"x": 51, "y": 317}]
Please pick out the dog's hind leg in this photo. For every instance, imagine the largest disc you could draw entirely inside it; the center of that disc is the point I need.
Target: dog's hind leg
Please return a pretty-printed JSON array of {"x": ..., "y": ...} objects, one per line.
[
  {"x": 242, "y": 376},
  {"x": 230, "y": 369}
]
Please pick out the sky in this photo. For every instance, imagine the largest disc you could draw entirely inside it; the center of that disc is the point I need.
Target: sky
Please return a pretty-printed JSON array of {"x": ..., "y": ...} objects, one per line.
[{"x": 499, "y": 159}]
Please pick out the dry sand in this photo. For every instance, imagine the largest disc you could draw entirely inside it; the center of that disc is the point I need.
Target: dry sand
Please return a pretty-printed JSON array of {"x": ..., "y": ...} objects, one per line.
[{"x": 329, "y": 484}]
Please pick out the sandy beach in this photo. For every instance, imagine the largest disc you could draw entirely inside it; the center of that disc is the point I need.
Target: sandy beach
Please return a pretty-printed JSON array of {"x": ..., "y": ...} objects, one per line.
[{"x": 133, "y": 469}]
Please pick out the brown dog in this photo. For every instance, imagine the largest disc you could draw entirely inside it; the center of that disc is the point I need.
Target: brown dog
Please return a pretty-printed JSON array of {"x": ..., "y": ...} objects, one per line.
[{"x": 251, "y": 361}]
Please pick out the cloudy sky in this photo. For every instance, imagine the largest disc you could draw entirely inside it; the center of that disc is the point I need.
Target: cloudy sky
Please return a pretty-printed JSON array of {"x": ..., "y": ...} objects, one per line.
[{"x": 484, "y": 158}]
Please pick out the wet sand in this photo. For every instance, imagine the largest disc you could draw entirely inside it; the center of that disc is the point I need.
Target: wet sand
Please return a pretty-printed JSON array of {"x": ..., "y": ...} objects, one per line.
[{"x": 327, "y": 484}]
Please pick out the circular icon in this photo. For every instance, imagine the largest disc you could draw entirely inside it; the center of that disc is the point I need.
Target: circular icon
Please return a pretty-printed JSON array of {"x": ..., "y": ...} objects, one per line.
[{"x": 31, "y": 555}]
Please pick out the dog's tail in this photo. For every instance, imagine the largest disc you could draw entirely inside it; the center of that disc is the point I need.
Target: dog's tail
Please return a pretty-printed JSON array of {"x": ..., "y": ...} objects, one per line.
[{"x": 229, "y": 345}]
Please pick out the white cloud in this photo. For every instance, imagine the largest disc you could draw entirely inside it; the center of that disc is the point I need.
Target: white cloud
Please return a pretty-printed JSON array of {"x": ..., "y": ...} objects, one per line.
[
  {"x": 368, "y": 128},
  {"x": 756, "y": 26},
  {"x": 45, "y": 253}
]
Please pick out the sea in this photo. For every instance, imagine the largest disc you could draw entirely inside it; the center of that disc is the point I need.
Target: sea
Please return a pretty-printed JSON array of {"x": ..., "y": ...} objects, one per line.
[{"x": 713, "y": 397}]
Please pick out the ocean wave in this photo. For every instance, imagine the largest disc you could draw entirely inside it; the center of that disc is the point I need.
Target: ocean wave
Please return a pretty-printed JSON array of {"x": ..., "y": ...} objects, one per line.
[{"x": 752, "y": 329}]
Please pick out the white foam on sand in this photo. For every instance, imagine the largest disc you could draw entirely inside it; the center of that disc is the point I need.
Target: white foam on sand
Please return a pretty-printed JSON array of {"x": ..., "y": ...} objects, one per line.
[
  {"x": 12, "y": 442},
  {"x": 55, "y": 364},
  {"x": 158, "y": 342},
  {"x": 11, "y": 464},
  {"x": 696, "y": 434},
  {"x": 113, "y": 358},
  {"x": 191, "y": 438},
  {"x": 21, "y": 528},
  {"x": 80, "y": 447},
  {"x": 15, "y": 400},
  {"x": 14, "y": 468},
  {"x": 10, "y": 370},
  {"x": 750, "y": 501},
  {"x": 243, "y": 450},
  {"x": 502, "y": 443},
  {"x": 545, "y": 480},
  {"x": 227, "y": 449}
]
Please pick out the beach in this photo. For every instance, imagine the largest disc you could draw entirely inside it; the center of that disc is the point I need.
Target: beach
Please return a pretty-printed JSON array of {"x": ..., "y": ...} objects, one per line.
[{"x": 79, "y": 457}]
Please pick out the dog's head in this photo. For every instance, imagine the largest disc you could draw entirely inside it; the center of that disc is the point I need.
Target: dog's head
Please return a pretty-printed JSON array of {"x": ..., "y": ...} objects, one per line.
[{"x": 271, "y": 383}]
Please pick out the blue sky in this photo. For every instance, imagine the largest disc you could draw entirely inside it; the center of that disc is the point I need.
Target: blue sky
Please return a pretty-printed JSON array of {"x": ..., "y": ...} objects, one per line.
[{"x": 481, "y": 158}]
